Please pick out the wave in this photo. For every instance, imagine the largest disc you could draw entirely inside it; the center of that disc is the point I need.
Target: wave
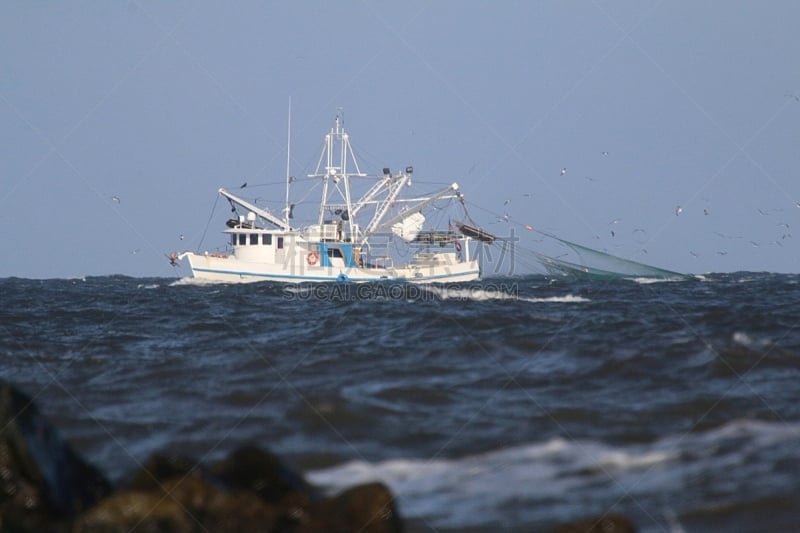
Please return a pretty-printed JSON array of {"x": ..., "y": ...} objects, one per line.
[
  {"x": 562, "y": 475},
  {"x": 197, "y": 282},
  {"x": 480, "y": 294}
]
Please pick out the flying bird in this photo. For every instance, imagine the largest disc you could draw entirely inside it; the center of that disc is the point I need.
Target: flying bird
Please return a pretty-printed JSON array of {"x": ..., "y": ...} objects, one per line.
[
  {"x": 243, "y": 185},
  {"x": 604, "y": 152},
  {"x": 115, "y": 199},
  {"x": 678, "y": 210},
  {"x": 563, "y": 171}
]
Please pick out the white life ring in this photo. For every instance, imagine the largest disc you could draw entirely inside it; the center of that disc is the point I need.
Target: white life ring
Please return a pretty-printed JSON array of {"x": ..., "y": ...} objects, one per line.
[{"x": 312, "y": 258}]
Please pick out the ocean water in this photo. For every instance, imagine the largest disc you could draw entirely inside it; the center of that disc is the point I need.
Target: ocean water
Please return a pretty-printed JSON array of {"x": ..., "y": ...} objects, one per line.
[{"x": 509, "y": 404}]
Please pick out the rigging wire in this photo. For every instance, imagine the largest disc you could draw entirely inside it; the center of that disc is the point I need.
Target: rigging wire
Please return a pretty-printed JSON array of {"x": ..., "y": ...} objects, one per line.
[{"x": 210, "y": 217}]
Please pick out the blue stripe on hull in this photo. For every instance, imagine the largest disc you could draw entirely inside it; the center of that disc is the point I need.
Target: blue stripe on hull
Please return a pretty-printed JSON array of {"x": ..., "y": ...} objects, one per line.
[{"x": 327, "y": 278}]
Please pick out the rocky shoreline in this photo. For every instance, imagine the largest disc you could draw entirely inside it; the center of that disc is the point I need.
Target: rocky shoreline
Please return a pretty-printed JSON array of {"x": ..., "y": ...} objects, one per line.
[{"x": 46, "y": 486}]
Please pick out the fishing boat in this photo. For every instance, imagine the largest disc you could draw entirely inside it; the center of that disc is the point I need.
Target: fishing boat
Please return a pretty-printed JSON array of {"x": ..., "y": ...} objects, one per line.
[{"x": 349, "y": 238}]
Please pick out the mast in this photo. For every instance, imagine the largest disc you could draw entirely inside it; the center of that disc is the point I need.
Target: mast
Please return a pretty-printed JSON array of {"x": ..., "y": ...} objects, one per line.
[
  {"x": 336, "y": 153},
  {"x": 286, "y": 210}
]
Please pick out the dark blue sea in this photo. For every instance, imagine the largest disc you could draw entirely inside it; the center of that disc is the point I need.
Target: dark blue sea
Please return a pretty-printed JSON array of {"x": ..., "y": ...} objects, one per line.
[{"x": 510, "y": 404}]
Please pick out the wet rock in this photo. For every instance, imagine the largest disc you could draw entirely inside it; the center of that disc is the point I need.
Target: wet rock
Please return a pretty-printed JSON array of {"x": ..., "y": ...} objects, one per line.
[
  {"x": 265, "y": 474},
  {"x": 189, "y": 504},
  {"x": 159, "y": 468},
  {"x": 612, "y": 523},
  {"x": 43, "y": 482},
  {"x": 46, "y": 486},
  {"x": 369, "y": 508},
  {"x": 135, "y": 510}
]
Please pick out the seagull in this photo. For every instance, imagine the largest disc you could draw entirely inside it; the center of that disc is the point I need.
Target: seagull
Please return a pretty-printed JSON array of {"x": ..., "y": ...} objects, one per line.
[
  {"x": 115, "y": 199},
  {"x": 136, "y": 251},
  {"x": 563, "y": 171},
  {"x": 181, "y": 237},
  {"x": 705, "y": 212},
  {"x": 612, "y": 233},
  {"x": 722, "y": 253},
  {"x": 678, "y": 210},
  {"x": 797, "y": 98},
  {"x": 616, "y": 221},
  {"x": 604, "y": 152},
  {"x": 243, "y": 185},
  {"x": 693, "y": 254},
  {"x": 506, "y": 202},
  {"x": 762, "y": 212}
]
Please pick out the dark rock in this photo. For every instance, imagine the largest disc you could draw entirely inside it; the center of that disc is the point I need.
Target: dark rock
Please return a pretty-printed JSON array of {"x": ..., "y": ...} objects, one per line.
[
  {"x": 189, "y": 504},
  {"x": 142, "y": 511},
  {"x": 159, "y": 468},
  {"x": 42, "y": 480},
  {"x": 611, "y": 523},
  {"x": 368, "y": 508},
  {"x": 263, "y": 473},
  {"x": 46, "y": 486}
]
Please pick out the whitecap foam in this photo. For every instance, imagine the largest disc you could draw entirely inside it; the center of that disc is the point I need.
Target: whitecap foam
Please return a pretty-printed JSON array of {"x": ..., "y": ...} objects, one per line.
[
  {"x": 559, "y": 475},
  {"x": 567, "y": 299},
  {"x": 192, "y": 281},
  {"x": 479, "y": 294},
  {"x": 648, "y": 281}
]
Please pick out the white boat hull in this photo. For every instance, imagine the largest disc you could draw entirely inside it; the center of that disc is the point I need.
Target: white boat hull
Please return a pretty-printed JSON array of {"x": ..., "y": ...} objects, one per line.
[{"x": 229, "y": 269}]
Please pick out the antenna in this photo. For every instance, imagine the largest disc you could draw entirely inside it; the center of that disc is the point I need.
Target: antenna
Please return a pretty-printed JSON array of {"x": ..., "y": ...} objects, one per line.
[{"x": 288, "y": 162}]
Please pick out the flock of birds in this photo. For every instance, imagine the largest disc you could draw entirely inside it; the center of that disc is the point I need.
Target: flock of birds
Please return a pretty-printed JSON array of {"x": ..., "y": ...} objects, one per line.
[{"x": 678, "y": 211}]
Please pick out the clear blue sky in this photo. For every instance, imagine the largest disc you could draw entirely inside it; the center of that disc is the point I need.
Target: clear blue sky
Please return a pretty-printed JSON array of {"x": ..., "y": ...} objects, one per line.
[{"x": 159, "y": 104}]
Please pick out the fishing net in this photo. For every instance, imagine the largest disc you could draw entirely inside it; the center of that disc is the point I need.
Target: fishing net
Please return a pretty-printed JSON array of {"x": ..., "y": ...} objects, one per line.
[{"x": 591, "y": 263}]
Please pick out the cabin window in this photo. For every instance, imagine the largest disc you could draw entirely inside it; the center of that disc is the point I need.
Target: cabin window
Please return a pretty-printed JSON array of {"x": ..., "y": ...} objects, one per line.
[
  {"x": 334, "y": 252},
  {"x": 233, "y": 240},
  {"x": 242, "y": 239},
  {"x": 280, "y": 242},
  {"x": 253, "y": 239},
  {"x": 266, "y": 239}
]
